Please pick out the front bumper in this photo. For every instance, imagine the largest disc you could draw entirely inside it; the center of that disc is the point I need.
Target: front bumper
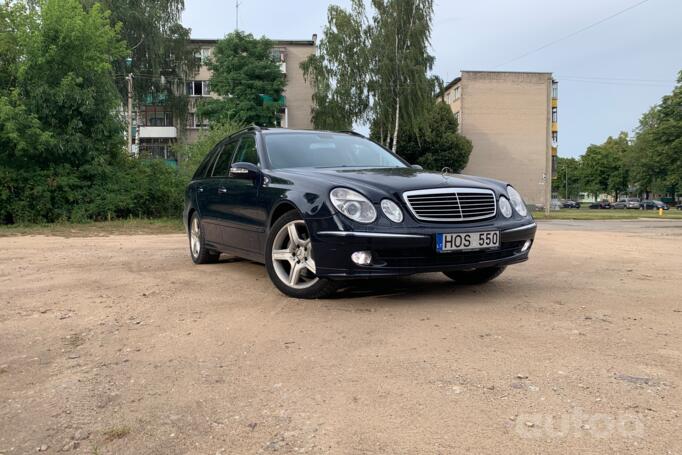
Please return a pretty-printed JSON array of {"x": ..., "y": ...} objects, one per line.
[{"x": 406, "y": 252}]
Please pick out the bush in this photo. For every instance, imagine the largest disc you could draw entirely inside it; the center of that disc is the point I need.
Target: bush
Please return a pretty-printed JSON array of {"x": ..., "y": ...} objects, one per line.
[
  {"x": 437, "y": 144},
  {"x": 191, "y": 155},
  {"x": 127, "y": 188}
]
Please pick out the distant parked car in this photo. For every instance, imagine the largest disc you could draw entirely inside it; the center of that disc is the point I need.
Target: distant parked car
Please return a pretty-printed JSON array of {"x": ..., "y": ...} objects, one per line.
[
  {"x": 570, "y": 204},
  {"x": 626, "y": 203},
  {"x": 679, "y": 206},
  {"x": 601, "y": 205},
  {"x": 653, "y": 205},
  {"x": 620, "y": 204}
]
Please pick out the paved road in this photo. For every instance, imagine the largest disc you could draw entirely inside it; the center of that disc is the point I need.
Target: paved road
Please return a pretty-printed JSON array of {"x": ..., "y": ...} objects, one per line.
[{"x": 120, "y": 345}]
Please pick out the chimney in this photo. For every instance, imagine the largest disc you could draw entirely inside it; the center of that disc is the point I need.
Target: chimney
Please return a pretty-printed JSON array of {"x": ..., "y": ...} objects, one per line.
[{"x": 314, "y": 38}]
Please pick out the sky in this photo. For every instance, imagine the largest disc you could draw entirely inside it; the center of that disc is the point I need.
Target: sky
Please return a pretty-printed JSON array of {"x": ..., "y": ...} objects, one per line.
[{"x": 608, "y": 74}]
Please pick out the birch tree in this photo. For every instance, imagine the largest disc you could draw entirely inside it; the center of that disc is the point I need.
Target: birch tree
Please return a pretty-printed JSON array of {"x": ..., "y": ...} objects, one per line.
[{"x": 374, "y": 69}]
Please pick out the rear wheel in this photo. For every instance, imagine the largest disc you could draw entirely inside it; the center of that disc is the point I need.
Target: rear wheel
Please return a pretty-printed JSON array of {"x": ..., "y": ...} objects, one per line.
[
  {"x": 290, "y": 261},
  {"x": 476, "y": 276},
  {"x": 200, "y": 254}
]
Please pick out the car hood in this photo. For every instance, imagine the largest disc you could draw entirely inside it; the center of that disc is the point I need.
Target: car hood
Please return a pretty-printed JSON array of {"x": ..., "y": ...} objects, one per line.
[{"x": 390, "y": 180}]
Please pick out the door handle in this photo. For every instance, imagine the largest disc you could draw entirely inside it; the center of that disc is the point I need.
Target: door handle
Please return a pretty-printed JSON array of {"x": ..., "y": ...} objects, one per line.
[
  {"x": 222, "y": 190},
  {"x": 200, "y": 189}
]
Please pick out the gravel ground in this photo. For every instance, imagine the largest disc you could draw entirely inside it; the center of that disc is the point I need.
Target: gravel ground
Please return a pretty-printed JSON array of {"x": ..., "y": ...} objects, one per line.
[{"x": 119, "y": 344}]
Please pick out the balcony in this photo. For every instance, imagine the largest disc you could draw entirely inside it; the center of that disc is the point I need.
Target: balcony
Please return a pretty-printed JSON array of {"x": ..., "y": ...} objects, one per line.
[{"x": 158, "y": 132}]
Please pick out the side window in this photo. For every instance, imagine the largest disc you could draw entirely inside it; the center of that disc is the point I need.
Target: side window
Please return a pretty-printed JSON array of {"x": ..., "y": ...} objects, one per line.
[
  {"x": 204, "y": 169},
  {"x": 247, "y": 152},
  {"x": 222, "y": 164}
]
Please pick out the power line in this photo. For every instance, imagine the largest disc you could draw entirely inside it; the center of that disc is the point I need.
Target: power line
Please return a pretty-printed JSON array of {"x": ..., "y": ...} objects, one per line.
[
  {"x": 616, "y": 82},
  {"x": 570, "y": 35},
  {"x": 624, "y": 79}
]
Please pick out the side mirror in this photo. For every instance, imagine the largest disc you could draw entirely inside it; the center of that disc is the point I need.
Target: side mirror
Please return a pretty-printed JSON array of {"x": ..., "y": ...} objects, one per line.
[
  {"x": 416, "y": 166},
  {"x": 244, "y": 171}
]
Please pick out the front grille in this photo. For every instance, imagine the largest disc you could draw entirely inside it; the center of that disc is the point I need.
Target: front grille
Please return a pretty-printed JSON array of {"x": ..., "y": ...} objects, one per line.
[{"x": 451, "y": 204}]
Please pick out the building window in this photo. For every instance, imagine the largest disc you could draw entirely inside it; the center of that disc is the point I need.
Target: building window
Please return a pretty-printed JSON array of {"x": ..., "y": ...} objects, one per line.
[
  {"x": 555, "y": 90},
  {"x": 155, "y": 116},
  {"x": 196, "y": 121},
  {"x": 198, "y": 88},
  {"x": 458, "y": 92},
  {"x": 203, "y": 54},
  {"x": 279, "y": 55},
  {"x": 457, "y": 118},
  {"x": 555, "y": 139},
  {"x": 157, "y": 149},
  {"x": 554, "y": 115}
]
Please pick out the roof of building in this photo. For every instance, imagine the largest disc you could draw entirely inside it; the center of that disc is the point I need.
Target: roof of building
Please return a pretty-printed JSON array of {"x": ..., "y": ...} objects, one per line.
[
  {"x": 456, "y": 80},
  {"x": 277, "y": 42}
]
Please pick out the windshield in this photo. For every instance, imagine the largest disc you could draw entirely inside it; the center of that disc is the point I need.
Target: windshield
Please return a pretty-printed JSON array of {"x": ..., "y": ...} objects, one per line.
[{"x": 292, "y": 150}]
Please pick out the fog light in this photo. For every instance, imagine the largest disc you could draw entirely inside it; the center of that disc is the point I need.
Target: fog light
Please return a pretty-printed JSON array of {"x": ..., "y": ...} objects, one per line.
[
  {"x": 526, "y": 246},
  {"x": 362, "y": 257}
]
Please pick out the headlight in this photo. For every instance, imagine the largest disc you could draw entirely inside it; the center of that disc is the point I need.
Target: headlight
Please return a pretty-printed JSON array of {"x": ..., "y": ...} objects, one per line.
[
  {"x": 517, "y": 201},
  {"x": 505, "y": 207},
  {"x": 353, "y": 204},
  {"x": 392, "y": 211}
]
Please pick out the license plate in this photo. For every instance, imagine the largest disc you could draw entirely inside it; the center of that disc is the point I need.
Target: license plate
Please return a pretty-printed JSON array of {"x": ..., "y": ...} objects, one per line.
[{"x": 467, "y": 241}]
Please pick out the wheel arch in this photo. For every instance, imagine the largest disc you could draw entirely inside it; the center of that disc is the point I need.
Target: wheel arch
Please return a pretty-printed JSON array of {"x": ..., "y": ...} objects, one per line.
[
  {"x": 190, "y": 212},
  {"x": 279, "y": 210}
]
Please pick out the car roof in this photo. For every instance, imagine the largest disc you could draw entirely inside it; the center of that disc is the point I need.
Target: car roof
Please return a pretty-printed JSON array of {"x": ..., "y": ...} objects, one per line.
[{"x": 289, "y": 131}]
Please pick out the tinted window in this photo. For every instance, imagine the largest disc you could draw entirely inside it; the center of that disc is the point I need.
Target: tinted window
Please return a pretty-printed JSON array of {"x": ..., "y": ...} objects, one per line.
[
  {"x": 222, "y": 164},
  {"x": 206, "y": 164},
  {"x": 291, "y": 150},
  {"x": 246, "y": 152}
]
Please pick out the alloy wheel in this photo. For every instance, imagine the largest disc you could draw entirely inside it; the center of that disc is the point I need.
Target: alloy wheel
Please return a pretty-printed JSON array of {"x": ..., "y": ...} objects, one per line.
[
  {"x": 292, "y": 256},
  {"x": 195, "y": 237}
]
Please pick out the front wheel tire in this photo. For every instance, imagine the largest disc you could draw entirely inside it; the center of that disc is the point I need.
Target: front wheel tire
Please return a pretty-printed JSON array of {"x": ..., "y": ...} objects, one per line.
[
  {"x": 477, "y": 276},
  {"x": 197, "y": 249},
  {"x": 290, "y": 261}
]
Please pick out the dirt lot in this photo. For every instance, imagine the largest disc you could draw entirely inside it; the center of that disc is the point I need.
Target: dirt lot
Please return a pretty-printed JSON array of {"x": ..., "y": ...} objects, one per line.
[{"x": 120, "y": 344}]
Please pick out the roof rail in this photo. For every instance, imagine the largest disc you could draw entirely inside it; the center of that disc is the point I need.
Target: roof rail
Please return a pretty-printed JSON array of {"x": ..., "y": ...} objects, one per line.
[
  {"x": 249, "y": 128},
  {"x": 354, "y": 133}
]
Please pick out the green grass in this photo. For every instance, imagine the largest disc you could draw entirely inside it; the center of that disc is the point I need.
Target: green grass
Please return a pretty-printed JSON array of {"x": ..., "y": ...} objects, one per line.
[
  {"x": 612, "y": 214},
  {"x": 115, "y": 433},
  {"x": 95, "y": 229},
  {"x": 174, "y": 225}
]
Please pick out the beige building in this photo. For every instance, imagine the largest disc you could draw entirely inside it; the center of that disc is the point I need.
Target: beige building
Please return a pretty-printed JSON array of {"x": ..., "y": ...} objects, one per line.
[
  {"x": 511, "y": 119},
  {"x": 157, "y": 131}
]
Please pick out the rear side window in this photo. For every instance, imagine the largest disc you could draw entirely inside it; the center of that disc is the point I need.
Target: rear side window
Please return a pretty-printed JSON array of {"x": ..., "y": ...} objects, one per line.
[
  {"x": 222, "y": 164},
  {"x": 247, "y": 152},
  {"x": 204, "y": 168}
]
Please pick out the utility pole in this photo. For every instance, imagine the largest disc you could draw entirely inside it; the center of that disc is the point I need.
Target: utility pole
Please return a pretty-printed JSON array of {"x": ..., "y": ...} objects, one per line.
[
  {"x": 130, "y": 113},
  {"x": 236, "y": 7}
]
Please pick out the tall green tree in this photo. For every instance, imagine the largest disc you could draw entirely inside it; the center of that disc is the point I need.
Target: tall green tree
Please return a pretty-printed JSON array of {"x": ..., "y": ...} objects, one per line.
[
  {"x": 568, "y": 182},
  {"x": 657, "y": 163},
  {"x": 604, "y": 167},
  {"x": 64, "y": 93},
  {"x": 248, "y": 80},
  {"x": 340, "y": 70},
  {"x": 159, "y": 56},
  {"x": 437, "y": 144},
  {"x": 374, "y": 69},
  {"x": 399, "y": 48}
]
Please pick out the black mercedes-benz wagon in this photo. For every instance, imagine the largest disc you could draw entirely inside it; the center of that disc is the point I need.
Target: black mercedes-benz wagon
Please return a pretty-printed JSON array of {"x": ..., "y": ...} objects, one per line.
[{"x": 319, "y": 208}]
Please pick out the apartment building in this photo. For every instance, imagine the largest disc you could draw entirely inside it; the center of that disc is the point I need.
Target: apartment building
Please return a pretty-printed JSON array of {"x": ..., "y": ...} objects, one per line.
[
  {"x": 511, "y": 119},
  {"x": 158, "y": 131}
]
